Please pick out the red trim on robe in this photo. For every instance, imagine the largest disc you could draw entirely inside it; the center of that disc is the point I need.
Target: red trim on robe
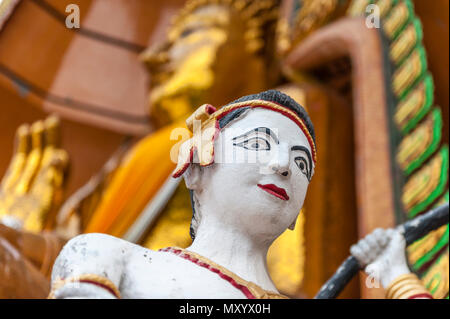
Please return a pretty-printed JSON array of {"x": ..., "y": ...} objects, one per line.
[{"x": 196, "y": 261}]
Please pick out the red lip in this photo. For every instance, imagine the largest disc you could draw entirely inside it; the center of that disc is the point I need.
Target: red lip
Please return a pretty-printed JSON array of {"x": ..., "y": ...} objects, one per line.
[{"x": 274, "y": 190}]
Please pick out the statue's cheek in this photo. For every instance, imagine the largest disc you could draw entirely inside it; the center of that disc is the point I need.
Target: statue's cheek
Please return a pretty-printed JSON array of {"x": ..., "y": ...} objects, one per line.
[{"x": 300, "y": 192}]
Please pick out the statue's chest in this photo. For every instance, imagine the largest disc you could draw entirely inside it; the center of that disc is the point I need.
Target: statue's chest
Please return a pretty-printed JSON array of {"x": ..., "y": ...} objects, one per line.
[{"x": 168, "y": 276}]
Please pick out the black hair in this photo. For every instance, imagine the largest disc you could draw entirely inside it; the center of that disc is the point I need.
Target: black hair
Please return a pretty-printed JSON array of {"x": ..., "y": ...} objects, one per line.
[
  {"x": 271, "y": 96},
  {"x": 276, "y": 97}
]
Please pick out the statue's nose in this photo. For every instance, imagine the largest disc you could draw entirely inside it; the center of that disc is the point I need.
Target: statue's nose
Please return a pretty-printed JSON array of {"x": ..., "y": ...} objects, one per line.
[
  {"x": 280, "y": 163},
  {"x": 283, "y": 171}
]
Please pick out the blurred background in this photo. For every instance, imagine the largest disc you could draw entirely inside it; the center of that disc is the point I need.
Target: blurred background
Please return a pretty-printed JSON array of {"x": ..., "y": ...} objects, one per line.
[{"x": 86, "y": 113}]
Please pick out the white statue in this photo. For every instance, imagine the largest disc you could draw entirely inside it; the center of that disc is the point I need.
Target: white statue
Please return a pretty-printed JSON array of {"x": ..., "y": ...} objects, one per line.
[
  {"x": 248, "y": 168},
  {"x": 248, "y": 184}
]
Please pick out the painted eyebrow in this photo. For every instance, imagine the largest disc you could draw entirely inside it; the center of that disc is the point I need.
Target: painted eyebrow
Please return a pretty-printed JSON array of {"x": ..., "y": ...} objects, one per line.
[
  {"x": 265, "y": 130},
  {"x": 304, "y": 149}
]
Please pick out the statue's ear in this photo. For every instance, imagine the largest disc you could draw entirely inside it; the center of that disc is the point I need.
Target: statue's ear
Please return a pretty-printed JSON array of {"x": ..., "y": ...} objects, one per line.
[
  {"x": 192, "y": 177},
  {"x": 292, "y": 226}
]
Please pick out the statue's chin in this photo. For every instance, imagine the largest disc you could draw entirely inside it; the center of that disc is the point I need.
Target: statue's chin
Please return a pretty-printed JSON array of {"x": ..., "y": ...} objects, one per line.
[{"x": 265, "y": 219}]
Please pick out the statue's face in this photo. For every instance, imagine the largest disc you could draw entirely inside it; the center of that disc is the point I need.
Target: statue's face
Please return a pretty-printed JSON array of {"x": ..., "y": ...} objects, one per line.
[{"x": 261, "y": 173}]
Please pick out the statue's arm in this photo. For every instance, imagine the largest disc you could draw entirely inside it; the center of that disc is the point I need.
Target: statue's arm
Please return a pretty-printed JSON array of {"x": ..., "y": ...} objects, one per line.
[
  {"x": 90, "y": 266},
  {"x": 383, "y": 255}
]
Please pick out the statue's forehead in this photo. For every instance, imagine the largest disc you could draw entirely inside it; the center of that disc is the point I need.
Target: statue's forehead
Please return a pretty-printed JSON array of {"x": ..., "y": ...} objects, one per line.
[{"x": 286, "y": 130}]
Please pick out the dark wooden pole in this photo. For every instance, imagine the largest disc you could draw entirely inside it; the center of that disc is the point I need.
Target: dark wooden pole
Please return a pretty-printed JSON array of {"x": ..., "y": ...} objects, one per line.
[{"x": 412, "y": 230}]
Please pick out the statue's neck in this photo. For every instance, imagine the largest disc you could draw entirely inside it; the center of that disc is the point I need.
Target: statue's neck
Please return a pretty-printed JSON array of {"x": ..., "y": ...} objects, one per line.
[{"x": 233, "y": 250}]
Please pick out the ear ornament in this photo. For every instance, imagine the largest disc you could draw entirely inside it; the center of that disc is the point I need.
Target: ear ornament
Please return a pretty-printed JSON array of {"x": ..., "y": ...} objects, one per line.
[{"x": 205, "y": 129}]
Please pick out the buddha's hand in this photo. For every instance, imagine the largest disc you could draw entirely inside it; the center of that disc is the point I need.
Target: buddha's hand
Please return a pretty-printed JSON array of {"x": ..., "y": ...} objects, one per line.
[
  {"x": 382, "y": 253},
  {"x": 32, "y": 186}
]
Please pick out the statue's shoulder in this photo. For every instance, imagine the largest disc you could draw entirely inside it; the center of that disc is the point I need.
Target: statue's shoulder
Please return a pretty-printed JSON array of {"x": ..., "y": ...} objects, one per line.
[
  {"x": 93, "y": 244},
  {"x": 94, "y": 253},
  {"x": 108, "y": 260}
]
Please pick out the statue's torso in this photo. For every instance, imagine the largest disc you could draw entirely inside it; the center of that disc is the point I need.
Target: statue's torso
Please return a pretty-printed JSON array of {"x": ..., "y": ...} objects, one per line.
[{"x": 139, "y": 272}]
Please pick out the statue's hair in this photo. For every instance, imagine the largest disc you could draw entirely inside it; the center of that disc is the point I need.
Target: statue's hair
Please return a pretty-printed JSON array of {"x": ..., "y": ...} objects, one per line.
[
  {"x": 272, "y": 96},
  {"x": 276, "y": 97}
]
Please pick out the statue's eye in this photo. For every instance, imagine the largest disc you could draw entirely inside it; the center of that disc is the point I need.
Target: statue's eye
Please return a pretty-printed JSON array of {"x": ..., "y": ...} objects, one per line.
[
  {"x": 255, "y": 144},
  {"x": 302, "y": 165}
]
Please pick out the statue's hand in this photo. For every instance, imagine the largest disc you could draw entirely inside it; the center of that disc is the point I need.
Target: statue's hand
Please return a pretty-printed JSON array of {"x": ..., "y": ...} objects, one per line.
[
  {"x": 382, "y": 253},
  {"x": 32, "y": 186}
]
